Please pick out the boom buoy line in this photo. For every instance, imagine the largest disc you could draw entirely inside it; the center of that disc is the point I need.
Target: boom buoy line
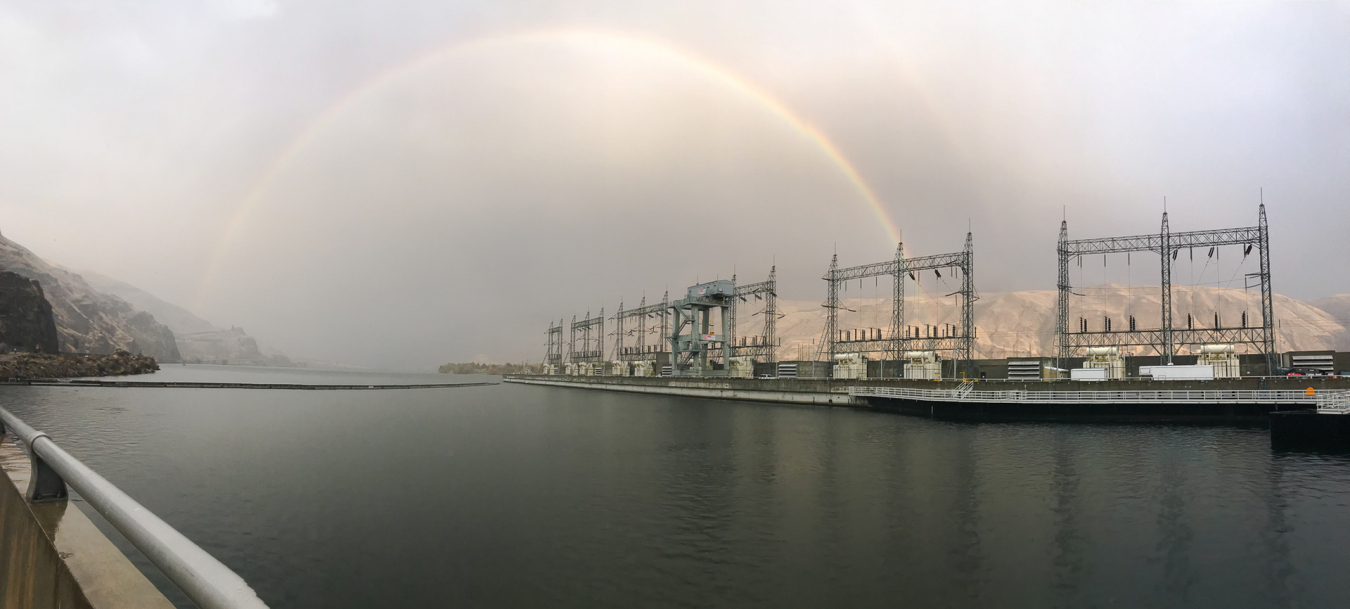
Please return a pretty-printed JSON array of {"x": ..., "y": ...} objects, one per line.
[{"x": 207, "y": 385}]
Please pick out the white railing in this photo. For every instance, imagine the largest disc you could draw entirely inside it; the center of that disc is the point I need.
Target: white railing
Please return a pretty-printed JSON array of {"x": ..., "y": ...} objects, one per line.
[
  {"x": 1333, "y": 402},
  {"x": 1341, "y": 398},
  {"x": 205, "y": 580}
]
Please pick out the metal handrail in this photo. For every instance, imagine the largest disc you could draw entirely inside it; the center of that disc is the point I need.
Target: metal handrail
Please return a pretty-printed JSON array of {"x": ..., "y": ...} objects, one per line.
[
  {"x": 207, "y": 582},
  {"x": 1163, "y": 396},
  {"x": 1333, "y": 402}
]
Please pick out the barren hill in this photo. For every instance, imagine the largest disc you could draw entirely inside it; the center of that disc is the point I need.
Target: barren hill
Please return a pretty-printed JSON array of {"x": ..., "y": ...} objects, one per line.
[{"x": 1011, "y": 324}]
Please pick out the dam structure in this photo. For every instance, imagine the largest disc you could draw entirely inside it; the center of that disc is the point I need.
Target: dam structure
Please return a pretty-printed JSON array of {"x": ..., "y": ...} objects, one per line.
[{"x": 1199, "y": 372}]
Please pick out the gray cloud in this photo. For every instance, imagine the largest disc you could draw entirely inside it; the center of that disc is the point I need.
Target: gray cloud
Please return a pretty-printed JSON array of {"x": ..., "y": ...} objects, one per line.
[{"x": 458, "y": 208}]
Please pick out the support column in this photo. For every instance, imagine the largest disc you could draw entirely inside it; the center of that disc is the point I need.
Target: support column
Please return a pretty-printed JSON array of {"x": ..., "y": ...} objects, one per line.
[
  {"x": 770, "y": 350},
  {"x": 831, "y": 313},
  {"x": 1167, "y": 347},
  {"x": 897, "y": 307},
  {"x": 967, "y": 338},
  {"x": 1267, "y": 297},
  {"x": 1062, "y": 306}
]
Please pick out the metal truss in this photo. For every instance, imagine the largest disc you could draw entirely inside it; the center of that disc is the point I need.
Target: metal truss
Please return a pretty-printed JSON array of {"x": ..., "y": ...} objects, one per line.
[
  {"x": 765, "y": 350},
  {"x": 592, "y": 333},
  {"x": 553, "y": 355},
  {"x": 1154, "y": 338},
  {"x": 1167, "y": 244},
  {"x": 960, "y": 340},
  {"x": 644, "y": 312}
]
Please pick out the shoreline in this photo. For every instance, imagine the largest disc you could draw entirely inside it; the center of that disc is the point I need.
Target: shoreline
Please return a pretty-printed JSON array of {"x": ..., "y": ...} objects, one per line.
[{"x": 29, "y": 366}]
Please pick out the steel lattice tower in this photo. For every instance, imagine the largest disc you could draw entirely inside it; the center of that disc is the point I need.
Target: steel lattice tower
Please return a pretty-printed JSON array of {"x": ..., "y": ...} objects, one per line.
[
  {"x": 1165, "y": 240},
  {"x": 1165, "y": 339},
  {"x": 827, "y": 337},
  {"x": 960, "y": 340},
  {"x": 1267, "y": 297}
]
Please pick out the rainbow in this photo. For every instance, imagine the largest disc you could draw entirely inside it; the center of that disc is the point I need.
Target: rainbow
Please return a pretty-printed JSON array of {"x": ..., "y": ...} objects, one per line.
[{"x": 584, "y": 37}]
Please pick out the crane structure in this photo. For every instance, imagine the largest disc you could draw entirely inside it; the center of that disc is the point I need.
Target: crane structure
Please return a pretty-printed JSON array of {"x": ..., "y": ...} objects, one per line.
[
  {"x": 761, "y": 348},
  {"x": 1165, "y": 339},
  {"x": 692, "y": 353},
  {"x": 958, "y": 339}
]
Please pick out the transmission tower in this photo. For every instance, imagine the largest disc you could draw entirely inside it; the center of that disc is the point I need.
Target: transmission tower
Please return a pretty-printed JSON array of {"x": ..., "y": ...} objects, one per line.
[
  {"x": 1167, "y": 244},
  {"x": 958, "y": 339}
]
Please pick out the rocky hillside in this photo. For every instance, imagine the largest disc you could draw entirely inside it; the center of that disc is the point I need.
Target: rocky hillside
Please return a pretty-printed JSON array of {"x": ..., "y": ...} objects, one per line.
[
  {"x": 199, "y": 341},
  {"x": 26, "y": 320},
  {"x": 1338, "y": 307},
  {"x": 1022, "y": 323},
  {"x": 87, "y": 320}
]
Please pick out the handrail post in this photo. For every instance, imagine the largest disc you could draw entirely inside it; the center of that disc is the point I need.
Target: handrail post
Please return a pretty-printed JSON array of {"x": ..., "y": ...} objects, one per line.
[{"x": 44, "y": 484}]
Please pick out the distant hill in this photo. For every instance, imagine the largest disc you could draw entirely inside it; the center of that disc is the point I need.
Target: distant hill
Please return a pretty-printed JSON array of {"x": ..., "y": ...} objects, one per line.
[
  {"x": 480, "y": 368},
  {"x": 198, "y": 340},
  {"x": 1011, "y": 324},
  {"x": 88, "y": 320}
]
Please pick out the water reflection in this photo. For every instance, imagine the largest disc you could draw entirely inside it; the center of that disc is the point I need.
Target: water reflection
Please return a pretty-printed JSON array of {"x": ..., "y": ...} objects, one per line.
[{"x": 526, "y": 496}]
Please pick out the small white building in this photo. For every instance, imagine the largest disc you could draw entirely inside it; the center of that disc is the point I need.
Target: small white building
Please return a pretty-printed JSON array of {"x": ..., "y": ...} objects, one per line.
[
  {"x": 1089, "y": 374},
  {"x": 1178, "y": 373}
]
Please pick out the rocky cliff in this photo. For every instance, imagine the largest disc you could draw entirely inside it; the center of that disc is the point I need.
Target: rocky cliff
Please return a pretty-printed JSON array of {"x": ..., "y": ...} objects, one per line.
[
  {"x": 87, "y": 320},
  {"x": 199, "y": 341},
  {"x": 26, "y": 320}
]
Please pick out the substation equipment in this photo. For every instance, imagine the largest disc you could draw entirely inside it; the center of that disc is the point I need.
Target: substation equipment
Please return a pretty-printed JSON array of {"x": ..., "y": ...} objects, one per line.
[
  {"x": 589, "y": 358},
  {"x": 847, "y": 350},
  {"x": 553, "y": 356},
  {"x": 746, "y": 351},
  {"x": 640, "y": 359},
  {"x": 1214, "y": 345},
  {"x": 689, "y": 345}
]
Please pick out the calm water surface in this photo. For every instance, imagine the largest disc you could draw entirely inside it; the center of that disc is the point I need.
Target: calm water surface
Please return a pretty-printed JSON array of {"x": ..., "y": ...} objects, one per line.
[{"x": 530, "y": 496}]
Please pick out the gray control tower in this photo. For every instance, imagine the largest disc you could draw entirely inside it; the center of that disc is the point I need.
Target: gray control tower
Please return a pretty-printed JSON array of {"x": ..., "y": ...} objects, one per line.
[{"x": 689, "y": 352}]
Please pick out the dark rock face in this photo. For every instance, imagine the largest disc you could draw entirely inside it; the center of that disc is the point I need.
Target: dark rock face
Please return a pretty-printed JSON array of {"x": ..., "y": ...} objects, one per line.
[
  {"x": 87, "y": 320},
  {"x": 152, "y": 337},
  {"x": 26, "y": 320}
]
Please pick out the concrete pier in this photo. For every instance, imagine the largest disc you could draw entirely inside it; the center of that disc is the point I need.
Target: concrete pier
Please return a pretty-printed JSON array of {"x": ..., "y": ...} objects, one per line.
[
  {"x": 830, "y": 392},
  {"x": 821, "y": 392}
]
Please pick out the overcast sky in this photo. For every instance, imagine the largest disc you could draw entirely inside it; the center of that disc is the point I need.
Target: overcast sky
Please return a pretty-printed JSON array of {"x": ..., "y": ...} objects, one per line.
[{"x": 402, "y": 184}]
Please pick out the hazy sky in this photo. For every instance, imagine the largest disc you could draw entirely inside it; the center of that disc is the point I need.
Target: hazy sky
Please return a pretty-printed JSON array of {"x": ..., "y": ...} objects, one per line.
[{"x": 402, "y": 184}]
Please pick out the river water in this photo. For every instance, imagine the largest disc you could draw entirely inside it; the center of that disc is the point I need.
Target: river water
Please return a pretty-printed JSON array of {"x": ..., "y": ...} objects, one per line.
[{"x": 514, "y": 496}]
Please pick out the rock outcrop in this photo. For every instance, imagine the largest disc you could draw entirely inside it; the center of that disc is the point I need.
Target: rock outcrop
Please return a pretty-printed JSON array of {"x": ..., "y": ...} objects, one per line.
[
  {"x": 26, "y": 320},
  {"x": 48, "y": 365},
  {"x": 87, "y": 320},
  {"x": 198, "y": 340},
  {"x": 232, "y": 346}
]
